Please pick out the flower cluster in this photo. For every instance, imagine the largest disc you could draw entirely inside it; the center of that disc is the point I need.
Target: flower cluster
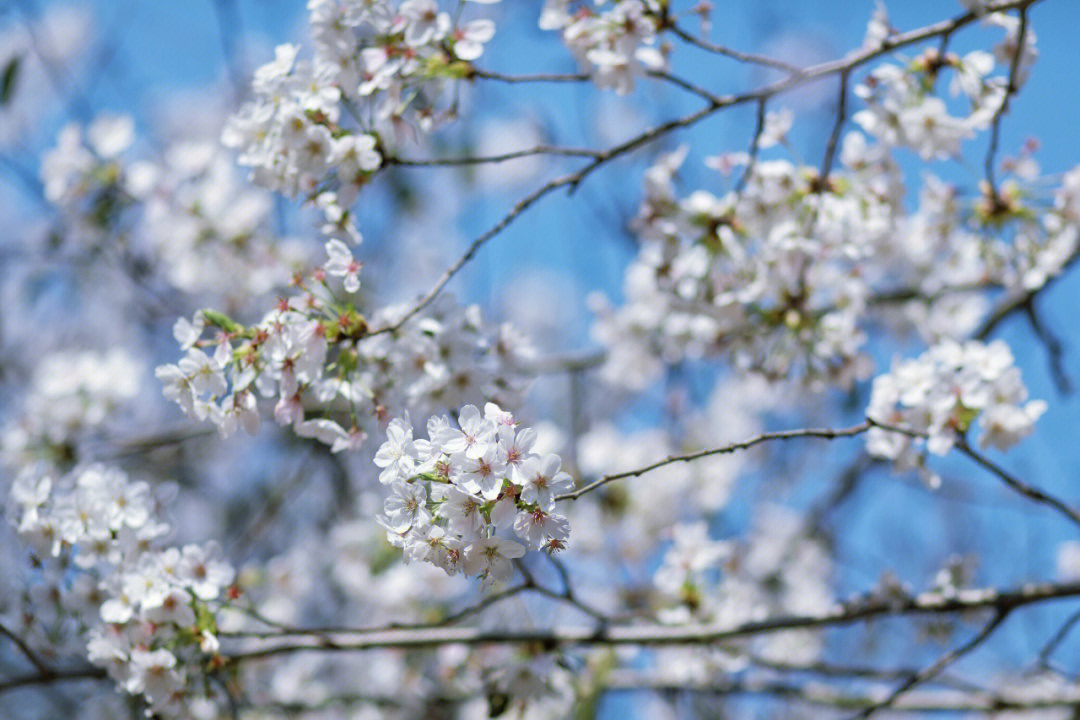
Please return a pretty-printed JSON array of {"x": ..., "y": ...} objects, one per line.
[
  {"x": 86, "y": 178},
  {"x": 779, "y": 567},
  {"x": 686, "y": 563},
  {"x": 453, "y": 492},
  {"x": 784, "y": 271},
  {"x": 766, "y": 274},
  {"x": 211, "y": 233},
  {"x": 942, "y": 393},
  {"x": 379, "y": 73},
  {"x": 331, "y": 379},
  {"x": 614, "y": 43},
  {"x": 71, "y": 394},
  {"x": 155, "y": 623},
  {"x": 902, "y": 110},
  {"x": 184, "y": 217}
]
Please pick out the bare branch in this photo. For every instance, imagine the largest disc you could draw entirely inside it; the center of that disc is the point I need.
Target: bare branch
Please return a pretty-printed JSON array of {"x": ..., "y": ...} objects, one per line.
[
  {"x": 755, "y": 146},
  {"x": 824, "y": 433},
  {"x": 941, "y": 701},
  {"x": 485, "y": 159},
  {"x": 51, "y": 676},
  {"x": 677, "y": 81},
  {"x": 24, "y": 649},
  {"x": 519, "y": 207},
  {"x": 567, "y": 362},
  {"x": 1055, "y": 351},
  {"x": 228, "y": 22},
  {"x": 1010, "y": 90},
  {"x": 1015, "y": 483},
  {"x": 840, "y": 614},
  {"x": 516, "y": 79},
  {"x": 834, "y": 136},
  {"x": 59, "y": 77},
  {"x": 745, "y": 57},
  {"x": 1017, "y": 302},
  {"x": 326, "y": 633},
  {"x": 1059, "y": 637},
  {"x": 938, "y": 665}
]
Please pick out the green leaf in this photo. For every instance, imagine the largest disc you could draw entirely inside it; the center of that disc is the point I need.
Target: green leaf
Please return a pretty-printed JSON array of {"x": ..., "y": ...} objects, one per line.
[
  {"x": 8, "y": 78},
  {"x": 222, "y": 321}
]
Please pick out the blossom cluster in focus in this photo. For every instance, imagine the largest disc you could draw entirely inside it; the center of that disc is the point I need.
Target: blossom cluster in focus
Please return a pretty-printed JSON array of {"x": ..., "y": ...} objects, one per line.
[{"x": 454, "y": 492}]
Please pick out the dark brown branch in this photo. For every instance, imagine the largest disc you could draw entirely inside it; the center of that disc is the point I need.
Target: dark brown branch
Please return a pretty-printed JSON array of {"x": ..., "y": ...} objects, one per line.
[
  {"x": 1055, "y": 351},
  {"x": 538, "y": 77},
  {"x": 1029, "y": 491},
  {"x": 745, "y": 57},
  {"x": 834, "y": 136},
  {"x": 484, "y": 159},
  {"x": 1017, "y": 302},
  {"x": 839, "y": 614},
  {"x": 51, "y": 676},
  {"x": 824, "y": 433},
  {"x": 1010, "y": 90},
  {"x": 1059, "y": 637},
  {"x": 24, "y": 649},
  {"x": 755, "y": 146},
  {"x": 938, "y": 665},
  {"x": 943, "y": 701},
  {"x": 690, "y": 87}
]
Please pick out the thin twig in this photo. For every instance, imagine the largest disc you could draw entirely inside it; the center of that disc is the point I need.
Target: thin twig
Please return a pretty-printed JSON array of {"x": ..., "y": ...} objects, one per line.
[
  {"x": 834, "y": 136},
  {"x": 228, "y": 22},
  {"x": 755, "y": 145},
  {"x": 1059, "y": 637},
  {"x": 937, "y": 666},
  {"x": 751, "y": 58},
  {"x": 1055, "y": 351},
  {"x": 25, "y": 650},
  {"x": 685, "y": 84},
  {"x": 1010, "y": 90},
  {"x": 824, "y": 433},
  {"x": 1029, "y": 491},
  {"x": 485, "y": 159}
]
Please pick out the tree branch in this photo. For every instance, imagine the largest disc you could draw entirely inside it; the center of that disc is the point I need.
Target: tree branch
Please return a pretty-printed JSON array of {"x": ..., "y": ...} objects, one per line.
[
  {"x": 51, "y": 676},
  {"x": 824, "y": 433},
  {"x": 839, "y": 614},
  {"x": 1010, "y": 90},
  {"x": 841, "y": 65},
  {"x": 744, "y": 57},
  {"x": 485, "y": 159},
  {"x": 938, "y": 665},
  {"x": 24, "y": 649},
  {"x": 1015, "y": 483}
]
